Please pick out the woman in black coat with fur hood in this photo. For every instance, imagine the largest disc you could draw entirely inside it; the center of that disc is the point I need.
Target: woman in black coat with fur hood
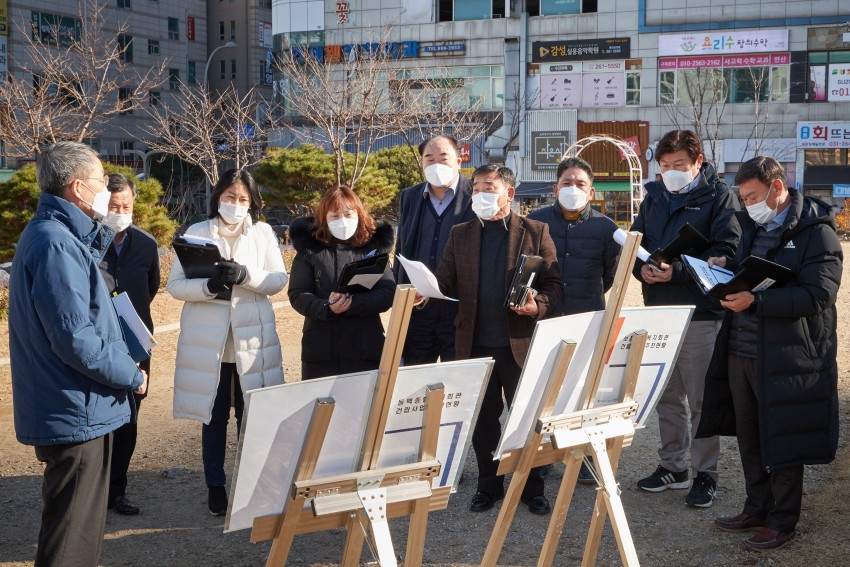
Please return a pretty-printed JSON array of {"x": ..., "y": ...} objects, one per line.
[{"x": 343, "y": 333}]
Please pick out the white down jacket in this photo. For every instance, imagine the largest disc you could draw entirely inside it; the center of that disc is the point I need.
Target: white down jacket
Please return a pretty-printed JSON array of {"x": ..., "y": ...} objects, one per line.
[{"x": 205, "y": 322}]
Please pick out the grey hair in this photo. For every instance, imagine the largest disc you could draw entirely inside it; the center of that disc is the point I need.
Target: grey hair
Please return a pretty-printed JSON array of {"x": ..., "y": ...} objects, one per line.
[
  {"x": 504, "y": 173},
  {"x": 60, "y": 164},
  {"x": 119, "y": 182}
]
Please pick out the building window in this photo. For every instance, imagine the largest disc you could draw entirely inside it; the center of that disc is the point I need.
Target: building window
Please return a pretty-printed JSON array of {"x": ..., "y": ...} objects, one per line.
[
  {"x": 53, "y": 29},
  {"x": 633, "y": 88},
  {"x": 733, "y": 79},
  {"x": 125, "y": 45},
  {"x": 233, "y": 69},
  {"x": 173, "y": 29},
  {"x": 232, "y": 30},
  {"x": 223, "y": 67},
  {"x": 154, "y": 98},
  {"x": 125, "y": 99},
  {"x": 153, "y": 47},
  {"x": 124, "y": 4},
  {"x": 128, "y": 145},
  {"x": 221, "y": 30},
  {"x": 190, "y": 73},
  {"x": 174, "y": 79}
]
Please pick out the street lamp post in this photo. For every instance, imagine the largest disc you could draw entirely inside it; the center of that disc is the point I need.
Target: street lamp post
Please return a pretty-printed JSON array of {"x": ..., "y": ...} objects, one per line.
[{"x": 227, "y": 45}]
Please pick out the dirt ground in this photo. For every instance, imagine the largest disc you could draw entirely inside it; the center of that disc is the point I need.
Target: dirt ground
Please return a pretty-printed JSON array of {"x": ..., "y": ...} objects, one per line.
[{"x": 175, "y": 528}]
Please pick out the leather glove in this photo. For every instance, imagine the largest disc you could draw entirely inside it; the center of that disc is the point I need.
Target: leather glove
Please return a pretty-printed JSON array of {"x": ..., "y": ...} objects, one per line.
[
  {"x": 231, "y": 273},
  {"x": 216, "y": 283}
]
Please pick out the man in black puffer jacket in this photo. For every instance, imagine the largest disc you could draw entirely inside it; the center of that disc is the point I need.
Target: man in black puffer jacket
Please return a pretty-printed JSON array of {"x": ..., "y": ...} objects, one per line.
[
  {"x": 587, "y": 252},
  {"x": 773, "y": 379},
  {"x": 689, "y": 193}
]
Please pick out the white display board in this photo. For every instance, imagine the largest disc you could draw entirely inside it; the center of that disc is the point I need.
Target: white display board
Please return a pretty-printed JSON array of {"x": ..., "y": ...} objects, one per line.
[
  {"x": 665, "y": 327},
  {"x": 274, "y": 428},
  {"x": 464, "y": 383},
  {"x": 276, "y": 420}
]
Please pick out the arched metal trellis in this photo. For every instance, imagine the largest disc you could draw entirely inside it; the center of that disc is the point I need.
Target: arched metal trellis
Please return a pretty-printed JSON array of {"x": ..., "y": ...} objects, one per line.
[{"x": 635, "y": 170}]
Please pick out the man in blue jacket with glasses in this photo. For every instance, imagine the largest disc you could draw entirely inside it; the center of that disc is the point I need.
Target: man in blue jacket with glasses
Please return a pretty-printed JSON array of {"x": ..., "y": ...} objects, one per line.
[{"x": 71, "y": 371}]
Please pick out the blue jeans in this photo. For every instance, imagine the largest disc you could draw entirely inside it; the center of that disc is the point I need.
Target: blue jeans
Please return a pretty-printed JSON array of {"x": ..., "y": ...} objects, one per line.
[{"x": 214, "y": 435}]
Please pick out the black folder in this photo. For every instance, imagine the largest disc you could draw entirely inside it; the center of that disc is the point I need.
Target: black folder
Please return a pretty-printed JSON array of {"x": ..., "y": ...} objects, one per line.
[
  {"x": 137, "y": 352},
  {"x": 755, "y": 274},
  {"x": 368, "y": 265},
  {"x": 689, "y": 239},
  {"x": 197, "y": 260},
  {"x": 527, "y": 269}
]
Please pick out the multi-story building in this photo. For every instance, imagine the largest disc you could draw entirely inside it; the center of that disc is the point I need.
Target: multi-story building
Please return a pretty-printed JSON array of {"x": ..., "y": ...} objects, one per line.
[
  {"x": 771, "y": 77},
  {"x": 157, "y": 30}
]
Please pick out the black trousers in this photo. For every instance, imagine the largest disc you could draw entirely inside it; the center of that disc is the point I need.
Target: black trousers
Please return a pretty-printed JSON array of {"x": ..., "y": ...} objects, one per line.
[
  {"x": 488, "y": 430},
  {"x": 124, "y": 444},
  {"x": 777, "y": 495},
  {"x": 431, "y": 334},
  {"x": 74, "y": 494}
]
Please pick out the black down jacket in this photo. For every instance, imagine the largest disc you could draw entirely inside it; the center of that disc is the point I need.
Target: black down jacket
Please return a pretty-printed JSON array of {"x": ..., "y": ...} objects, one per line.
[
  {"x": 710, "y": 208},
  {"x": 797, "y": 378},
  {"x": 351, "y": 341}
]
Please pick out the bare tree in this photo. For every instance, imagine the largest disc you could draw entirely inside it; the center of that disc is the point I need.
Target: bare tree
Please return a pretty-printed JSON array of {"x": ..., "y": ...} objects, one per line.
[
  {"x": 765, "y": 126},
  {"x": 207, "y": 131},
  {"x": 350, "y": 101},
  {"x": 70, "y": 82},
  {"x": 700, "y": 104}
]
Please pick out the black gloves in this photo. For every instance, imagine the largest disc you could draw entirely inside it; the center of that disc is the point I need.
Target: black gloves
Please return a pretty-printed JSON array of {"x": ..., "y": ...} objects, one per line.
[
  {"x": 230, "y": 273},
  {"x": 216, "y": 283}
]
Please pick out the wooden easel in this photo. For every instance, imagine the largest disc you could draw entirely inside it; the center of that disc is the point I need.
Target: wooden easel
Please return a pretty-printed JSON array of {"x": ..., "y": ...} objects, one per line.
[
  {"x": 600, "y": 433},
  {"x": 369, "y": 496}
]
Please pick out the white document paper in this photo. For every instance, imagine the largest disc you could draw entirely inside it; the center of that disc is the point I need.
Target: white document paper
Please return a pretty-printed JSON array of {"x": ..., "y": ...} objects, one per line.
[
  {"x": 366, "y": 280},
  {"x": 422, "y": 279},
  {"x": 200, "y": 240},
  {"x": 709, "y": 276},
  {"x": 124, "y": 308}
]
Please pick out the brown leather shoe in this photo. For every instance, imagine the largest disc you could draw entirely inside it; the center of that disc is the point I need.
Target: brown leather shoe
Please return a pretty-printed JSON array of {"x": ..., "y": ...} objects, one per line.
[
  {"x": 740, "y": 523},
  {"x": 767, "y": 538}
]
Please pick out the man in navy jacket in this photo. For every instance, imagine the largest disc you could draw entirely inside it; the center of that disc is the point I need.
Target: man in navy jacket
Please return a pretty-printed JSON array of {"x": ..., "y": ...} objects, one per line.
[
  {"x": 427, "y": 213},
  {"x": 71, "y": 371},
  {"x": 131, "y": 265}
]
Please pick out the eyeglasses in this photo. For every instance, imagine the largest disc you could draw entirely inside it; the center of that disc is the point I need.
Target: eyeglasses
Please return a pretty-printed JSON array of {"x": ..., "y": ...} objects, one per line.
[{"x": 105, "y": 179}]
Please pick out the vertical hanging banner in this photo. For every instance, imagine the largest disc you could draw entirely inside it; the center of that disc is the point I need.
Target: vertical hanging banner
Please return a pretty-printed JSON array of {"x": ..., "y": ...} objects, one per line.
[{"x": 4, "y": 18}]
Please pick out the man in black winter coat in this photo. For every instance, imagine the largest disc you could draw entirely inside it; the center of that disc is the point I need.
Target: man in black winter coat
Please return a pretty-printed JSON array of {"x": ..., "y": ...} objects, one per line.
[
  {"x": 131, "y": 264},
  {"x": 773, "y": 379},
  {"x": 587, "y": 253},
  {"x": 689, "y": 193}
]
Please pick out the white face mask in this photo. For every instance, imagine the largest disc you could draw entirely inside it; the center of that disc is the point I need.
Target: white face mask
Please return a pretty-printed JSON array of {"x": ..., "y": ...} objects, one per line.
[
  {"x": 760, "y": 212},
  {"x": 675, "y": 180},
  {"x": 439, "y": 174},
  {"x": 572, "y": 198},
  {"x": 344, "y": 228},
  {"x": 118, "y": 222},
  {"x": 486, "y": 205},
  {"x": 232, "y": 214},
  {"x": 100, "y": 203}
]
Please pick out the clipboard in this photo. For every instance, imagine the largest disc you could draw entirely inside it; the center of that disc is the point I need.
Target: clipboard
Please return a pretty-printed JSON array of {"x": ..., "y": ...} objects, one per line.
[
  {"x": 689, "y": 239},
  {"x": 364, "y": 272},
  {"x": 136, "y": 335},
  {"x": 756, "y": 274},
  {"x": 527, "y": 268},
  {"x": 198, "y": 260}
]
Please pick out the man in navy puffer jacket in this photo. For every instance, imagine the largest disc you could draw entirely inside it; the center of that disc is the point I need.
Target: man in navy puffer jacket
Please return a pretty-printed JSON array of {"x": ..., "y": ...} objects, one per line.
[{"x": 71, "y": 371}]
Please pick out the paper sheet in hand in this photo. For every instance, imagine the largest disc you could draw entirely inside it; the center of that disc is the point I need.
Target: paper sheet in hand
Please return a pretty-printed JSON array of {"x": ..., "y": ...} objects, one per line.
[
  {"x": 755, "y": 274},
  {"x": 620, "y": 238},
  {"x": 365, "y": 280},
  {"x": 141, "y": 334},
  {"x": 422, "y": 279}
]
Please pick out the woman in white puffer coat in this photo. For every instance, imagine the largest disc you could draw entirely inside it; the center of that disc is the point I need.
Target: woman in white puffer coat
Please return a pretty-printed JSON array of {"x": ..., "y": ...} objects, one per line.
[{"x": 228, "y": 341}]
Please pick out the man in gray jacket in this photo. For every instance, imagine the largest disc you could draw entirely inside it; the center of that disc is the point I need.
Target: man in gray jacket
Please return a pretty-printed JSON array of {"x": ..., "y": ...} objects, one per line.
[{"x": 71, "y": 371}]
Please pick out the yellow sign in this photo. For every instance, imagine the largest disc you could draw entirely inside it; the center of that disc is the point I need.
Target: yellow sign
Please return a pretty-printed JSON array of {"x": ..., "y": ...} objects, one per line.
[
  {"x": 4, "y": 20},
  {"x": 543, "y": 51}
]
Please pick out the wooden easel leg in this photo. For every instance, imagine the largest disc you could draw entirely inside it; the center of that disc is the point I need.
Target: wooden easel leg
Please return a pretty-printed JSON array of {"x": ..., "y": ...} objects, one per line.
[
  {"x": 509, "y": 506},
  {"x": 354, "y": 540},
  {"x": 608, "y": 501},
  {"x": 283, "y": 542},
  {"x": 559, "y": 511}
]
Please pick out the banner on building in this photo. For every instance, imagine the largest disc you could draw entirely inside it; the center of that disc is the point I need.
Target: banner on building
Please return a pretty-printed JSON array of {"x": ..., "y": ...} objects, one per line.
[
  {"x": 826, "y": 134},
  {"x": 581, "y": 50},
  {"x": 4, "y": 18},
  {"x": 721, "y": 43},
  {"x": 839, "y": 82},
  {"x": 548, "y": 148}
]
